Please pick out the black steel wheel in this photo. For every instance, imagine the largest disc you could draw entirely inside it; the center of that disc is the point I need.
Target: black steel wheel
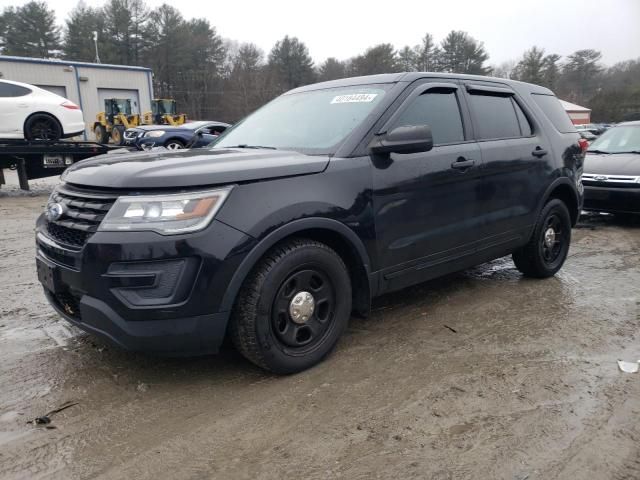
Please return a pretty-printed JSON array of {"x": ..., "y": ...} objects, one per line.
[
  {"x": 293, "y": 307},
  {"x": 547, "y": 250},
  {"x": 42, "y": 127}
]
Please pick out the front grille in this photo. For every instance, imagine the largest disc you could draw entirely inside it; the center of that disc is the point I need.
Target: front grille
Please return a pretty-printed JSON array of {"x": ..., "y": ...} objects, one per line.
[
  {"x": 130, "y": 134},
  {"x": 598, "y": 179},
  {"x": 82, "y": 213}
]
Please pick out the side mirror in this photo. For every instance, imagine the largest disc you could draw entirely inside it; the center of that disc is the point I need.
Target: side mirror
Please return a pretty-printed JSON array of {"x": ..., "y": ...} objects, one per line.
[{"x": 407, "y": 139}]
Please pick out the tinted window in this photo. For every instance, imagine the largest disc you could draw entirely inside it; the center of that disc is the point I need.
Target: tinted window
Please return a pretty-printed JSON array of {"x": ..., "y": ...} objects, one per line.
[
  {"x": 554, "y": 112},
  {"x": 439, "y": 110},
  {"x": 495, "y": 116},
  {"x": 10, "y": 90},
  {"x": 525, "y": 126}
]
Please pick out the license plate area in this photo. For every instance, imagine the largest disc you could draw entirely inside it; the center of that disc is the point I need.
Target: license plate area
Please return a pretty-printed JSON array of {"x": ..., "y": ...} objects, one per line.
[{"x": 48, "y": 275}]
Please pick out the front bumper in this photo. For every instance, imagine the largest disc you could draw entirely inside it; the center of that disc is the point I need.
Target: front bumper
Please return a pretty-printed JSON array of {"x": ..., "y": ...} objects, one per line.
[
  {"x": 144, "y": 291},
  {"x": 612, "y": 199}
]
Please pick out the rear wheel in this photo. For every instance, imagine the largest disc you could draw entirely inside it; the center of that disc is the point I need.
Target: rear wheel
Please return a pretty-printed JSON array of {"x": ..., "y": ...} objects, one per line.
[
  {"x": 293, "y": 307},
  {"x": 548, "y": 247},
  {"x": 117, "y": 134},
  {"x": 100, "y": 133},
  {"x": 42, "y": 127}
]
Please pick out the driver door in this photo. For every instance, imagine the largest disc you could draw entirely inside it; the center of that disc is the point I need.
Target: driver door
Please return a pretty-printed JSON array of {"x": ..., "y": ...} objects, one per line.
[{"x": 426, "y": 204}]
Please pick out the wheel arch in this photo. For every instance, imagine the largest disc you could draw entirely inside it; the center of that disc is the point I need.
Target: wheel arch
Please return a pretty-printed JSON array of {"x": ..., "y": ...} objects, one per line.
[
  {"x": 330, "y": 232},
  {"x": 48, "y": 114},
  {"x": 563, "y": 189}
]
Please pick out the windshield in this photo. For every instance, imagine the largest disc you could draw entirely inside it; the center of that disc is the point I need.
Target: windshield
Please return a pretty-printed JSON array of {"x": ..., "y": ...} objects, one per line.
[
  {"x": 311, "y": 122},
  {"x": 622, "y": 139}
]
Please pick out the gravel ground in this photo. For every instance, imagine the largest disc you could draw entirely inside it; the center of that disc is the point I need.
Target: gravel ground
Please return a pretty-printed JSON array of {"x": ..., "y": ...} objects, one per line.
[{"x": 481, "y": 375}]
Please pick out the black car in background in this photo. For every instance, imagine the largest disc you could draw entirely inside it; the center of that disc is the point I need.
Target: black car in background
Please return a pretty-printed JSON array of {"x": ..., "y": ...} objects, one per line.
[
  {"x": 188, "y": 135},
  {"x": 328, "y": 196},
  {"x": 611, "y": 175}
]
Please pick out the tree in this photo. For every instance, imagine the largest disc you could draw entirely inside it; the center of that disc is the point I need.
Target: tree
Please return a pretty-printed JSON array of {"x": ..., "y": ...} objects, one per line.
[
  {"x": 378, "y": 59},
  {"x": 30, "y": 31},
  {"x": 504, "y": 70},
  {"x": 247, "y": 84},
  {"x": 290, "y": 64},
  {"x": 427, "y": 55},
  {"x": 332, "y": 69},
  {"x": 407, "y": 60},
  {"x": 538, "y": 68},
  {"x": 531, "y": 67},
  {"x": 580, "y": 75},
  {"x": 551, "y": 72},
  {"x": 461, "y": 53},
  {"x": 78, "y": 35},
  {"x": 125, "y": 31}
]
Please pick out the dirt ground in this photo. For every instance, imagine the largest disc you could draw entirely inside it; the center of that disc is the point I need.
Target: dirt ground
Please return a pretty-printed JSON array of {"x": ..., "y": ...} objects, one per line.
[{"x": 481, "y": 375}]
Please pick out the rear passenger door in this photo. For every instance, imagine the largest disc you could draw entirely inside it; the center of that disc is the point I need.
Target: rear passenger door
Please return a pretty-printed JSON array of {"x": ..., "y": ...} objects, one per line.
[{"x": 513, "y": 166}]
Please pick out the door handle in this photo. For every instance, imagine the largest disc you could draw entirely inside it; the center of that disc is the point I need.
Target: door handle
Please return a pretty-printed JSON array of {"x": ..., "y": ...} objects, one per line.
[
  {"x": 462, "y": 163},
  {"x": 539, "y": 152}
]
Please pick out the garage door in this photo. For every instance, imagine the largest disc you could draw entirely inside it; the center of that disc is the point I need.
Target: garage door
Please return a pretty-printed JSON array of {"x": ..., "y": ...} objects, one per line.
[
  {"x": 62, "y": 91},
  {"x": 104, "y": 93}
]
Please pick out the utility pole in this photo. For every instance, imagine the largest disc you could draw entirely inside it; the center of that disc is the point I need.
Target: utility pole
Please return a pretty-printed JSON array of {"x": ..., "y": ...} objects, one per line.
[{"x": 95, "y": 41}]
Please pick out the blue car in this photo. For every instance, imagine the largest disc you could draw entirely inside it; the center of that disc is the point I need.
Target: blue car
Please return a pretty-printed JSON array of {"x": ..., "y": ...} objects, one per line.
[{"x": 188, "y": 135}]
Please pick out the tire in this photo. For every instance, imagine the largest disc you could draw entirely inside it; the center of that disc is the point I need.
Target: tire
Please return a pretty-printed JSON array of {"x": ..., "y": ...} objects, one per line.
[
  {"x": 117, "y": 134},
  {"x": 264, "y": 326},
  {"x": 174, "y": 145},
  {"x": 546, "y": 252},
  {"x": 43, "y": 127},
  {"x": 100, "y": 133}
]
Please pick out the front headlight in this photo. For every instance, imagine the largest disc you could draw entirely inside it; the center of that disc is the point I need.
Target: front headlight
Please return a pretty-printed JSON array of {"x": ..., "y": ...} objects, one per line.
[
  {"x": 155, "y": 133},
  {"x": 165, "y": 214}
]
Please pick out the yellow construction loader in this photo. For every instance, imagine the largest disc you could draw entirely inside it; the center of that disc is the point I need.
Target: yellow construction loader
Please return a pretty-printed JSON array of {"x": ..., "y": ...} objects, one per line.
[
  {"x": 163, "y": 112},
  {"x": 115, "y": 119}
]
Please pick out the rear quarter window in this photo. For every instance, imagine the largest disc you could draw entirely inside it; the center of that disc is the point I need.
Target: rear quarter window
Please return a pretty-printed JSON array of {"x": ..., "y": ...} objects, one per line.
[
  {"x": 553, "y": 110},
  {"x": 8, "y": 90}
]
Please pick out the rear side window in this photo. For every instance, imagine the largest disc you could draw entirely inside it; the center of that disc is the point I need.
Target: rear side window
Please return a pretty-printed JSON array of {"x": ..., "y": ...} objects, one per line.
[
  {"x": 495, "y": 116},
  {"x": 10, "y": 90},
  {"x": 553, "y": 110},
  {"x": 439, "y": 109}
]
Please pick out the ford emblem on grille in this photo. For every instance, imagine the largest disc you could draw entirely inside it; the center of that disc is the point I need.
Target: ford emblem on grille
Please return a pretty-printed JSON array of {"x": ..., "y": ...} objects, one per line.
[
  {"x": 600, "y": 178},
  {"x": 54, "y": 211}
]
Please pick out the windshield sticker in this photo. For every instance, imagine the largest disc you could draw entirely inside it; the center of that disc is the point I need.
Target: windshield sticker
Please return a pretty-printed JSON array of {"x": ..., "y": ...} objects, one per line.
[{"x": 355, "y": 98}]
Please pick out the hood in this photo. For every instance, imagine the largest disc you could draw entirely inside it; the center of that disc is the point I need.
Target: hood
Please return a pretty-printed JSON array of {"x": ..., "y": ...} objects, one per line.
[
  {"x": 613, "y": 164},
  {"x": 190, "y": 168}
]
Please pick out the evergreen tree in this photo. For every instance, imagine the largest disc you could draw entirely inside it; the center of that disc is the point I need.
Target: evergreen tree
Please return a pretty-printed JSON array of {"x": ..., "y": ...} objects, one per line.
[
  {"x": 407, "y": 60},
  {"x": 125, "y": 31},
  {"x": 81, "y": 25},
  {"x": 378, "y": 59},
  {"x": 290, "y": 64},
  {"x": 427, "y": 55},
  {"x": 332, "y": 69},
  {"x": 30, "y": 31},
  {"x": 461, "y": 53}
]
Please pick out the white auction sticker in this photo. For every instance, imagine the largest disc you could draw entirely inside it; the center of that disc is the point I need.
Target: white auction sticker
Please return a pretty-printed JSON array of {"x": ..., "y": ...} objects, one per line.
[{"x": 355, "y": 98}]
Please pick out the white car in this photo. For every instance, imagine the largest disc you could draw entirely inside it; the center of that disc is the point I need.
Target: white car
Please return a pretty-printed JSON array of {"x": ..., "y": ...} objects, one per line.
[{"x": 32, "y": 113}]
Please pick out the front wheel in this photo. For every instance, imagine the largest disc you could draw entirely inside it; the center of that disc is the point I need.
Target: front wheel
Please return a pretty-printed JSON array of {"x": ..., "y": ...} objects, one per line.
[
  {"x": 548, "y": 247},
  {"x": 174, "y": 145},
  {"x": 293, "y": 307}
]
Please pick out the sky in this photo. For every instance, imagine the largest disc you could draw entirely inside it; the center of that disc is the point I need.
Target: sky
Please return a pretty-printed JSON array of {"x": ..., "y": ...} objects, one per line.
[{"x": 345, "y": 28}]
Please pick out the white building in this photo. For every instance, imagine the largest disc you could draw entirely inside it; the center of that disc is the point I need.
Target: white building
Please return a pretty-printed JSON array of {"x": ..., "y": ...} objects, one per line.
[{"x": 87, "y": 84}]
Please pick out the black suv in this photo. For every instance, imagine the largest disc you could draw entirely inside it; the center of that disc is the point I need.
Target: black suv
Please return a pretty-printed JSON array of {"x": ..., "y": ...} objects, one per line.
[{"x": 300, "y": 214}]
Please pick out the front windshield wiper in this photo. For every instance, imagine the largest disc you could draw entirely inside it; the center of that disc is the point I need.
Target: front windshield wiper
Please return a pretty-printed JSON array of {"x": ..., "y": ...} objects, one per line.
[
  {"x": 598, "y": 151},
  {"x": 244, "y": 145}
]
